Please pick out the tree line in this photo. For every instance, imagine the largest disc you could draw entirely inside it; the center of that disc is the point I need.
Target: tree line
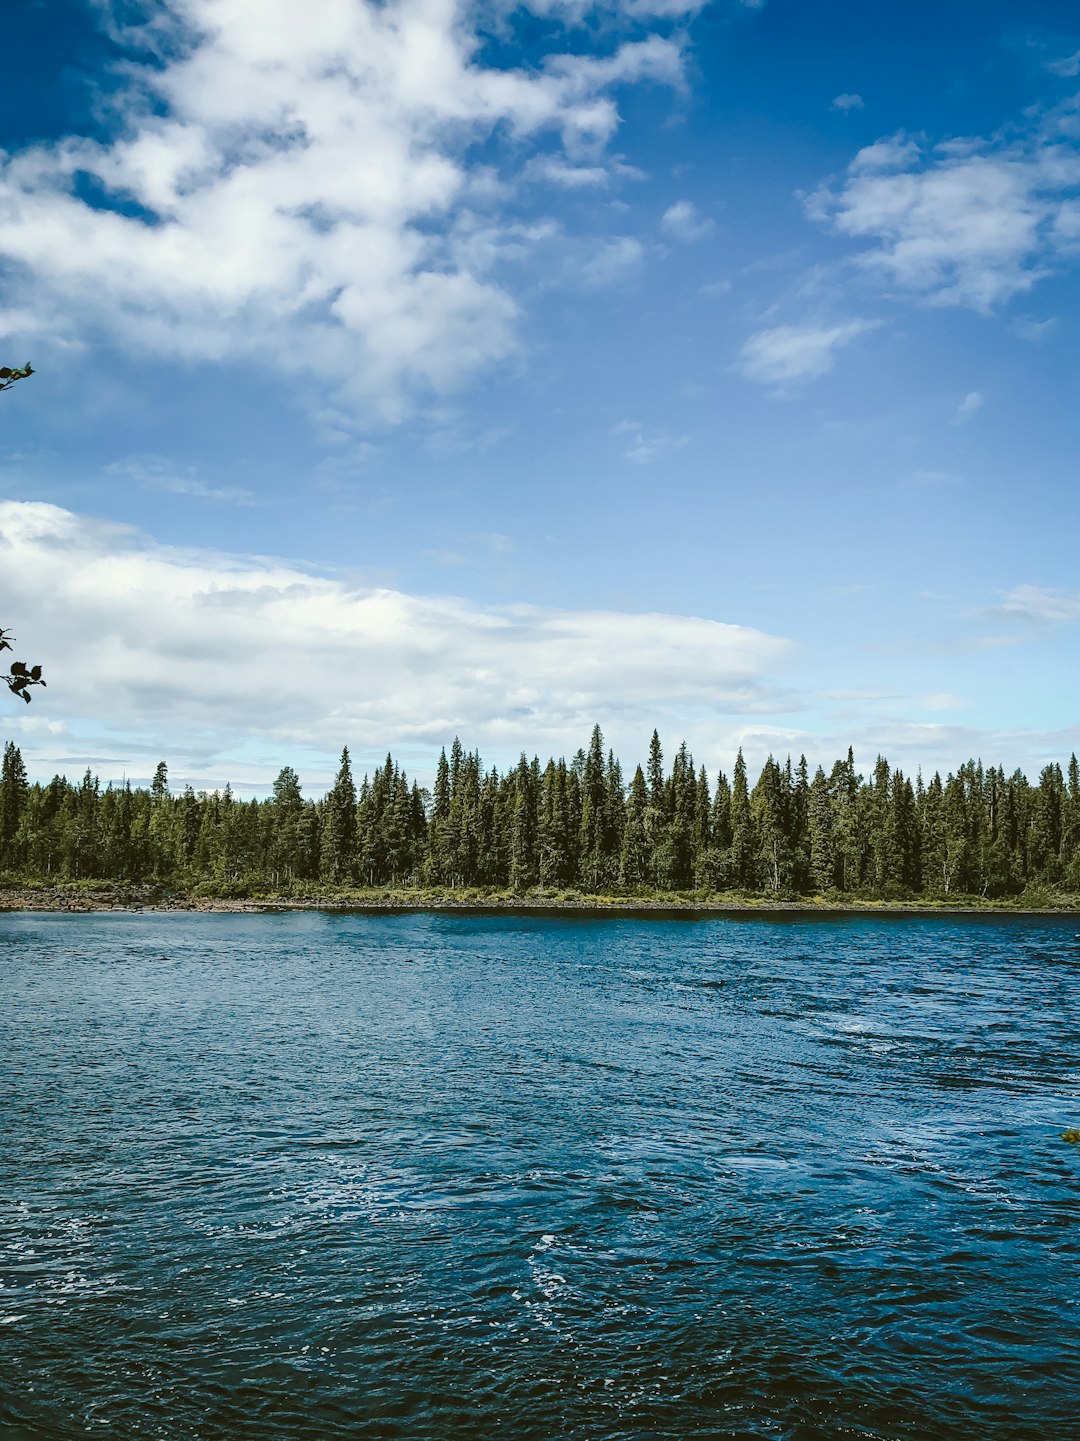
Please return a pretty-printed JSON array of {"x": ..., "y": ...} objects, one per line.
[{"x": 569, "y": 825}]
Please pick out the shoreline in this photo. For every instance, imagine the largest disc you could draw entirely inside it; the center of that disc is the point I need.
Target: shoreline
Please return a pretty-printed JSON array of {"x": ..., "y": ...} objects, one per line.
[{"x": 135, "y": 900}]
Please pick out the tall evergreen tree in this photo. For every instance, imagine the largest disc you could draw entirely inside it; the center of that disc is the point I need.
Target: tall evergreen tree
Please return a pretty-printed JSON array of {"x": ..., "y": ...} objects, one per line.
[
  {"x": 339, "y": 852},
  {"x": 742, "y": 869},
  {"x": 14, "y": 791}
]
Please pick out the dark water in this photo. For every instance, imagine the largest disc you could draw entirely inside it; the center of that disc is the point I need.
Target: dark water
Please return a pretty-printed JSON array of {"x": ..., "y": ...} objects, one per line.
[{"x": 319, "y": 1177}]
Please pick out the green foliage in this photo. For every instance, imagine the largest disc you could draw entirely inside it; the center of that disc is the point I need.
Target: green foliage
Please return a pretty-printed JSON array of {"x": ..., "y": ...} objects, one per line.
[
  {"x": 21, "y": 676},
  {"x": 10, "y": 374},
  {"x": 563, "y": 831}
]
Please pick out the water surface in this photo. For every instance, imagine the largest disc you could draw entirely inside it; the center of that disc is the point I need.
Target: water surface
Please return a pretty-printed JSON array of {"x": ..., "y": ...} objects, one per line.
[{"x": 314, "y": 1176}]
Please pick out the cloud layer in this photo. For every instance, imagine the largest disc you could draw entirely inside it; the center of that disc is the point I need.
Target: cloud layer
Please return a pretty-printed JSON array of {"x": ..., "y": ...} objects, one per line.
[
  {"x": 178, "y": 651},
  {"x": 292, "y": 185}
]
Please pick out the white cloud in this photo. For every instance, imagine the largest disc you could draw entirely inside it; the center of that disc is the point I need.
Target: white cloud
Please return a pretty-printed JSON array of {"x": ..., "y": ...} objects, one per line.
[
  {"x": 684, "y": 221},
  {"x": 1068, "y": 66},
  {"x": 190, "y": 654},
  {"x": 292, "y": 186},
  {"x": 969, "y": 407},
  {"x": 1035, "y": 331},
  {"x": 930, "y": 477},
  {"x": 1041, "y": 605},
  {"x": 968, "y": 222},
  {"x": 154, "y": 473},
  {"x": 643, "y": 446},
  {"x": 610, "y": 262},
  {"x": 943, "y": 700},
  {"x": 847, "y": 102},
  {"x": 555, "y": 170},
  {"x": 788, "y": 353}
]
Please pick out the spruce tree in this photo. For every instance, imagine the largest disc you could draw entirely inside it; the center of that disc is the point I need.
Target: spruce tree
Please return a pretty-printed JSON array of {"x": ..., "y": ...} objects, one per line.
[
  {"x": 339, "y": 857},
  {"x": 593, "y": 815},
  {"x": 742, "y": 870},
  {"x": 822, "y": 843},
  {"x": 634, "y": 857},
  {"x": 14, "y": 791}
]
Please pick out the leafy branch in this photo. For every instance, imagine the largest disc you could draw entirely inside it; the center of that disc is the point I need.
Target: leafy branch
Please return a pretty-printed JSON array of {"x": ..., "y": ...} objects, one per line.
[
  {"x": 9, "y": 375},
  {"x": 21, "y": 676}
]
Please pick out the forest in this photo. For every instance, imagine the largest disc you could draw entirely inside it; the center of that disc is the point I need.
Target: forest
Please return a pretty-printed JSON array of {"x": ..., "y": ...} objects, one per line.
[{"x": 566, "y": 827}]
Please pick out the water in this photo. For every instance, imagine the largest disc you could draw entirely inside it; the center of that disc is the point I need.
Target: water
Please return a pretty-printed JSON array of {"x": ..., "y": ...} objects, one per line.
[{"x": 442, "y": 1176}]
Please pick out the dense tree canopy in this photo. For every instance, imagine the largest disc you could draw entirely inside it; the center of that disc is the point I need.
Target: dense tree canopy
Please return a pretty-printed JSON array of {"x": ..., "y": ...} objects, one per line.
[{"x": 566, "y": 825}]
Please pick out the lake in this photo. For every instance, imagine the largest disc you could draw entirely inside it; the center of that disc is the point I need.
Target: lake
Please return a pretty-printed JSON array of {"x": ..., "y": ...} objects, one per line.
[{"x": 320, "y": 1176}]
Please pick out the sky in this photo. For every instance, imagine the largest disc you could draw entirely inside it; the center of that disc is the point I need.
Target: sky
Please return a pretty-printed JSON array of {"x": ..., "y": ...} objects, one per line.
[{"x": 426, "y": 368}]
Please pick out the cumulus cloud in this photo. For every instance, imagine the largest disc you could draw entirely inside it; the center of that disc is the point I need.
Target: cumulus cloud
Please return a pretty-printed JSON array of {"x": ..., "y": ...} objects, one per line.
[
  {"x": 293, "y": 186},
  {"x": 968, "y": 222},
  {"x": 684, "y": 221},
  {"x": 789, "y": 353},
  {"x": 208, "y": 653},
  {"x": 847, "y": 102}
]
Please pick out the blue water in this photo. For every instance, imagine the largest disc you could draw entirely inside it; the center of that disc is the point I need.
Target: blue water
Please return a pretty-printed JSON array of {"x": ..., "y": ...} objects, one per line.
[{"x": 313, "y": 1176}]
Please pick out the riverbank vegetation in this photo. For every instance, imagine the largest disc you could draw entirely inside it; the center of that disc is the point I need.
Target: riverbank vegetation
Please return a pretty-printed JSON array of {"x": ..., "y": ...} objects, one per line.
[{"x": 571, "y": 830}]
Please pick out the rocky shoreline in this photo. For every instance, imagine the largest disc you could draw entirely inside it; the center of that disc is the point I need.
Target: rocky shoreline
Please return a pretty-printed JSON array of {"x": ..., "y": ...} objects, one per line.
[{"x": 145, "y": 898}]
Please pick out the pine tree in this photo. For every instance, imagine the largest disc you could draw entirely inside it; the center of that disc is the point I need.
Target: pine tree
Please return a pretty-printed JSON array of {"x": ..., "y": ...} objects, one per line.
[
  {"x": 14, "y": 791},
  {"x": 656, "y": 817},
  {"x": 160, "y": 830},
  {"x": 524, "y": 870},
  {"x": 701, "y": 835},
  {"x": 557, "y": 834},
  {"x": 286, "y": 813},
  {"x": 743, "y": 848},
  {"x": 1070, "y": 845},
  {"x": 718, "y": 866},
  {"x": 767, "y": 816},
  {"x": 593, "y": 815},
  {"x": 339, "y": 826},
  {"x": 822, "y": 841},
  {"x": 634, "y": 858}
]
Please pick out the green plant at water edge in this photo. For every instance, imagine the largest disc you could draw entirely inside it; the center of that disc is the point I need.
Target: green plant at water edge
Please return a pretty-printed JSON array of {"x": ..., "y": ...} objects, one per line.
[{"x": 1072, "y": 1136}]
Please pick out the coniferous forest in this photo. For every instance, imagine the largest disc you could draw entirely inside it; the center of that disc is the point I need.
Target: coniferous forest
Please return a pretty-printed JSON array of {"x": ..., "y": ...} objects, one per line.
[{"x": 566, "y": 827}]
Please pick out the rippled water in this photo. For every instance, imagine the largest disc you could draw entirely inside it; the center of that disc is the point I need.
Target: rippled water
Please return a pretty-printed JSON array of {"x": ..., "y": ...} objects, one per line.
[{"x": 440, "y": 1176}]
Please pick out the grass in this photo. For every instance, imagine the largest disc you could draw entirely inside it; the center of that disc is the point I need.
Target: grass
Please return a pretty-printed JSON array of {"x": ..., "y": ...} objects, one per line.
[{"x": 254, "y": 891}]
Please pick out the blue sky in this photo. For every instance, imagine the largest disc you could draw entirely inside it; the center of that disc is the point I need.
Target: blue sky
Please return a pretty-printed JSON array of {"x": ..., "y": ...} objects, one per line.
[{"x": 425, "y": 368}]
